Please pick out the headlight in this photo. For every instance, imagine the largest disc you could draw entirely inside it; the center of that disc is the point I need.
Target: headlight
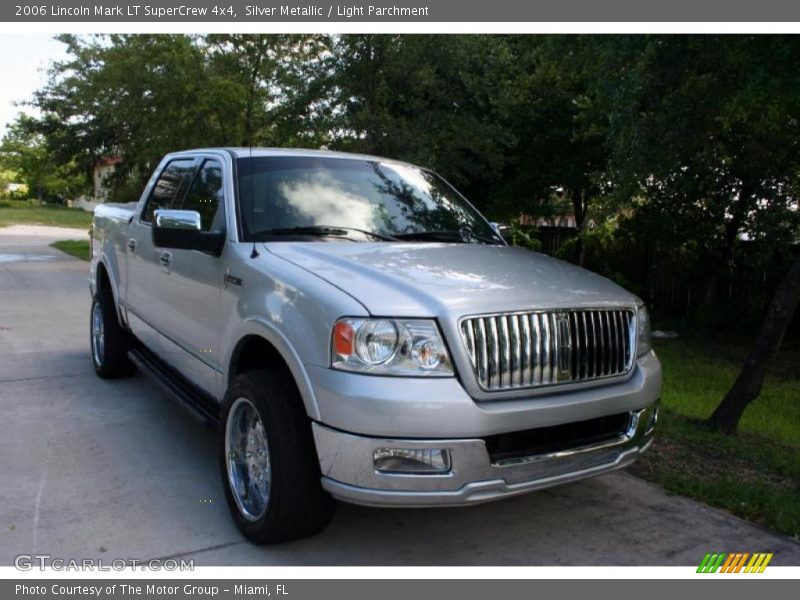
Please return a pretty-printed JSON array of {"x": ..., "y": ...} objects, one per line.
[
  {"x": 404, "y": 347},
  {"x": 643, "y": 344}
]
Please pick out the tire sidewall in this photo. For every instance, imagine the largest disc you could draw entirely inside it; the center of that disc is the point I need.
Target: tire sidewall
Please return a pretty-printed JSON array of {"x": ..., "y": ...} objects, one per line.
[
  {"x": 97, "y": 302},
  {"x": 248, "y": 526},
  {"x": 116, "y": 363}
]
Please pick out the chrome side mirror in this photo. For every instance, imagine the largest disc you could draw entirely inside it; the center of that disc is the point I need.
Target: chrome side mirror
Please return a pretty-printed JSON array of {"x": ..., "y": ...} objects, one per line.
[
  {"x": 178, "y": 219},
  {"x": 182, "y": 229},
  {"x": 504, "y": 231}
]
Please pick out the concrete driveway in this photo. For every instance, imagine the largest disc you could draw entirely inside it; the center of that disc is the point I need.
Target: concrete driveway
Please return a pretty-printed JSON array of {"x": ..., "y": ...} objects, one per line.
[{"x": 90, "y": 468}]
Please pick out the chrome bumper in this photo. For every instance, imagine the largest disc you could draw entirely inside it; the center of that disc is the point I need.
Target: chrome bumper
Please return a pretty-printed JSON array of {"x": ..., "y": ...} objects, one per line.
[{"x": 348, "y": 472}]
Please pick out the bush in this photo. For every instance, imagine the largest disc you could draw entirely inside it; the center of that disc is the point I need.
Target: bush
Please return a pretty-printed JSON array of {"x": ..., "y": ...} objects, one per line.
[
  {"x": 520, "y": 237},
  {"x": 15, "y": 195}
]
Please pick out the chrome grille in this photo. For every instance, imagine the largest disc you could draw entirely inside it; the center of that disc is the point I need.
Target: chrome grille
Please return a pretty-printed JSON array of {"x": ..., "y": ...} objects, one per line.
[{"x": 531, "y": 349}]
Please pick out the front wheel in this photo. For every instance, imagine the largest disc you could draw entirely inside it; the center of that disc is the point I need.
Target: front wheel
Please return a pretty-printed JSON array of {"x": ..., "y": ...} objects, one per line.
[
  {"x": 108, "y": 339},
  {"x": 268, "y": 461}
]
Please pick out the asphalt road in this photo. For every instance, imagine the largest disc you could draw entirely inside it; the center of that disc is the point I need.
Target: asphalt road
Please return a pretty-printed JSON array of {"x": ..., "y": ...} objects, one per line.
[{"x": 90, "y": 468}]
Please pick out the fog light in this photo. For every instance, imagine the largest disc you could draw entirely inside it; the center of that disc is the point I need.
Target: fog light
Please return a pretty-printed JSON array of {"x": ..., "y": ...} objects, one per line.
[{"x": 409, "y": 460}]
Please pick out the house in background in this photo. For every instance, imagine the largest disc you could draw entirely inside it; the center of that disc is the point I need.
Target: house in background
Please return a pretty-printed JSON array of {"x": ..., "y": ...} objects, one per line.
[
  {"x": 12, "y": 188},
  {"x": 101, "y": 175},
  {"x": 555, "y": 221},
  {"x": 103, "y": 170},
  {"x": 552, "y": 231}
]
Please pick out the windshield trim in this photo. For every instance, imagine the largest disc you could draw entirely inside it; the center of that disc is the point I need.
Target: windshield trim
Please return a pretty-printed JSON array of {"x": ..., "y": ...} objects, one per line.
[{"x": 464, "y": 199}]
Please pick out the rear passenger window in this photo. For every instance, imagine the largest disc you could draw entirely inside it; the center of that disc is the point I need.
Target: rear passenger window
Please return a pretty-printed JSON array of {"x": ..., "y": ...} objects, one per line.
[
  {"x": 170, "y": 185},
  {"x": 206, "y": 197}
]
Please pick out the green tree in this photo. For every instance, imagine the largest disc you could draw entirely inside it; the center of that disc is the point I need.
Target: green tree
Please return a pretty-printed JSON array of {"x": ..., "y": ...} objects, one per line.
[
  {"x": 25, "y": 152},
  {"x": 142, "y": 96},
  {"x": 131, "y": 95},
  {"x": 707, "y": 128},
  {"x": 560, "y": 155},
  {"x": 432, "y": 100},
  {"x": 261, "y": 85}
]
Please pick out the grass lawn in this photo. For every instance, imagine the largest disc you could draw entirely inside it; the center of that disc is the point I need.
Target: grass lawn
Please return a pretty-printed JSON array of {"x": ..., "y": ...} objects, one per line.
[
  {"x": 24, "y": 213},
  {"x": 77, "y": 248},
  {"x": 755, "y": 474}
]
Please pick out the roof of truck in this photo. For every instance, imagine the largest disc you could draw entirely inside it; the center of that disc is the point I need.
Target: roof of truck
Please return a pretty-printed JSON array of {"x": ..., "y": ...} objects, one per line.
[{"x": 247, "y": 152}]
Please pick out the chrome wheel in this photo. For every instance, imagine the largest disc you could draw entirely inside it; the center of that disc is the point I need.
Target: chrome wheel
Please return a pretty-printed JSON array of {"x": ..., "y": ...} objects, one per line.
[
  {"x": 98, "y": 337},
  {"x": 247, "y": 459}
]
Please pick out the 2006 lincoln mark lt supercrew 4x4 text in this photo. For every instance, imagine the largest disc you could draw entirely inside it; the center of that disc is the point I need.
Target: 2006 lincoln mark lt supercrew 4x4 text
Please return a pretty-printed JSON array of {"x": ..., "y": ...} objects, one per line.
[{"x": 360, "y": 332}]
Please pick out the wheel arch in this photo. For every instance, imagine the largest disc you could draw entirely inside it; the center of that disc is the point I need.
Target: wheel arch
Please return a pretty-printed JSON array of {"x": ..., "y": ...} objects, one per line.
[
  {"x": 259, "y": 346},
  {"x": 105, "y": 271},
  {"x": 104, "y": 280}
]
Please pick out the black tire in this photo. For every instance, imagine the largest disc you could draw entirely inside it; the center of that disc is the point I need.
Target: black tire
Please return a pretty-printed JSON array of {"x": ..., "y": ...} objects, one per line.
[
  {"x": 296, "y": 506},
  {"x": 111, "y": 360}
]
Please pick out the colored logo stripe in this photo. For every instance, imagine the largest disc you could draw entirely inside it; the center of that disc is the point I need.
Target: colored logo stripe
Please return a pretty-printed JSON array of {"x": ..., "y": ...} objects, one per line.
[
  {"x": 758, "y": 563},
  {"x": 734, "y": 562},
  {"x": 711, "y": 563}
]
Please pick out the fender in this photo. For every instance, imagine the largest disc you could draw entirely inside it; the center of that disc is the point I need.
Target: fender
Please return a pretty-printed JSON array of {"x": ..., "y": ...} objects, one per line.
[
  {"x": 258, "y": 326},
  {"x": 103, "y": 260}
]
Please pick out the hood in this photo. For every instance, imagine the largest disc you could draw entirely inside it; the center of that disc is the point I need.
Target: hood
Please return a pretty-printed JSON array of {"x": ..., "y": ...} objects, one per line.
[{"x": 430, "y": 279}]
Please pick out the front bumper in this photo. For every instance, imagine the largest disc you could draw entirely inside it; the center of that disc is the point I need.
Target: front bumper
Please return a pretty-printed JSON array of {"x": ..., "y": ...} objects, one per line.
[
  {"x": 348, "y": 472},
  {"x": 440, "y": 407}
]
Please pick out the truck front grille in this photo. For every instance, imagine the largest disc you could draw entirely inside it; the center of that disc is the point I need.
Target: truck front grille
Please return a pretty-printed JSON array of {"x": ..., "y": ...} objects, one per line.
[{"x": 534, "y": 349}]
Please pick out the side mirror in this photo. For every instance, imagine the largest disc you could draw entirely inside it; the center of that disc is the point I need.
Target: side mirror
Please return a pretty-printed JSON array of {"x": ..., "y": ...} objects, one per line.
[
  {"x": 504, "y": 231},
  {"x": 182, "y": 229}
]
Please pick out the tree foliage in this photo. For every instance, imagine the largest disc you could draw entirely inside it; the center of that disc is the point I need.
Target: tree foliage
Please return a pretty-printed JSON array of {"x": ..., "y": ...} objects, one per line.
[
  {"x": 708, "y": 129},
  {"x": 27, "y": 154}
]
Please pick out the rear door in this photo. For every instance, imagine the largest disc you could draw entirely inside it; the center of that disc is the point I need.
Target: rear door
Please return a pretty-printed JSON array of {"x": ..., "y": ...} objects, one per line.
[{"x": 145, "y": 302}]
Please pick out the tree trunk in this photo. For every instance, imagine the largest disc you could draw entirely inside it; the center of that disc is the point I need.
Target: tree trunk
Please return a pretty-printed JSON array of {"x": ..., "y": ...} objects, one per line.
[
  {"x": 255, "y": 71},
  {"x": 748, "y": 384},
  {"x": 718, "y": 278},
  {"x": 580, "y": 208}
]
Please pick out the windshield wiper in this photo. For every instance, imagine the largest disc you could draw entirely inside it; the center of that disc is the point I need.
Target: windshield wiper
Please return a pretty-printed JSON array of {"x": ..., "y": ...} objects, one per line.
[
  {"x": 323, "y": 231},
  {"x": 445, "y": 235}
]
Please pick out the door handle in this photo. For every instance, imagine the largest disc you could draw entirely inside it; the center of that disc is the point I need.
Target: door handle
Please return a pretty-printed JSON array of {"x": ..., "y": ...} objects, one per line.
[
  {"x": 132, "y": 245},
  {"x": 165, "y": 259}
]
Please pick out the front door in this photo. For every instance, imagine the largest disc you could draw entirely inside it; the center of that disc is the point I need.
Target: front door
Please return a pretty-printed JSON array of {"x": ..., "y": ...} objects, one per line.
[
  {"x": 191, "y": 286},
  {"x": 144, "y": 281}
]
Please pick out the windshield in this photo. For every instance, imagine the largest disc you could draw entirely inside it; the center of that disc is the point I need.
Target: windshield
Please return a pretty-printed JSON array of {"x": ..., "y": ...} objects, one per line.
[{"x": 281, "y": 194}]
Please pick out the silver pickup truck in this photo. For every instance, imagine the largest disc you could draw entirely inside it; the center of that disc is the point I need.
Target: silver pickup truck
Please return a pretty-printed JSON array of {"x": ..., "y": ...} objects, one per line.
[{"x": 357, "y": 330}]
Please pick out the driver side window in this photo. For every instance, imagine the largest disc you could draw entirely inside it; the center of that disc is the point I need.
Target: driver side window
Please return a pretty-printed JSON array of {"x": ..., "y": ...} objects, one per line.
[
  {"x": 171, "y": 184},
  {"x": 206, "y": 197}
]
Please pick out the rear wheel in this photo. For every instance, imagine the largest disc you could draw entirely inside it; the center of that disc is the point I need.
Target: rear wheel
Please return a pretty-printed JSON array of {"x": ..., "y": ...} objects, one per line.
[
  {"x": 268, "y": 461},
  {"x": 108, "y": 339}
]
